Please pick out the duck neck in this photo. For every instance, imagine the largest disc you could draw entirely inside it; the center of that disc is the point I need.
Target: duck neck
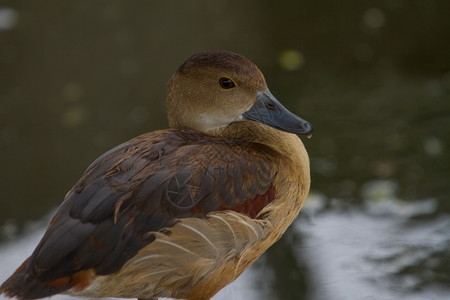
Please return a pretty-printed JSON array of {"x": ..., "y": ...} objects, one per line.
[{"x": 254, "y": 132}]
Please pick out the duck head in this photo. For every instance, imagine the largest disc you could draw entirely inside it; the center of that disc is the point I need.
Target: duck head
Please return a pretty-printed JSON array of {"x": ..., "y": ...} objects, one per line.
[{"x": 211, "y": 90}]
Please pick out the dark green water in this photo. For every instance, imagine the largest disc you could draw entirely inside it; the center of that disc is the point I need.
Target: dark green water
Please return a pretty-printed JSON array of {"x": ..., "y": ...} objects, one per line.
[{"x": 373, "y": 77}]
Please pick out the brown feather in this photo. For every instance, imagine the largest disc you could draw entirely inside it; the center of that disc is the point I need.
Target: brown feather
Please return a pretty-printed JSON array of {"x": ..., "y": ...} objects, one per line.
[{"x": 175, "y": 213}]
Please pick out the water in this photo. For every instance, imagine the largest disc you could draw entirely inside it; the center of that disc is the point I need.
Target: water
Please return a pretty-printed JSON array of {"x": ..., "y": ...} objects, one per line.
[
  {"x": 372, "y": 77},
  {"x": 383, "y": 250},
  {"x": 386, "y": 249}
]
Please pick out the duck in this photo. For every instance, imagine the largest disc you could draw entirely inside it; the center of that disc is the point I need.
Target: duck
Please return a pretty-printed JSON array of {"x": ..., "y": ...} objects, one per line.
[{"x": 179, "y": 212}]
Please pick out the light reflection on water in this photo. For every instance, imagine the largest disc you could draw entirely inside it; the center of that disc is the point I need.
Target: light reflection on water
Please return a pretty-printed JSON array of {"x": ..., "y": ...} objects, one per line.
[{"x": 385, "y": 250}]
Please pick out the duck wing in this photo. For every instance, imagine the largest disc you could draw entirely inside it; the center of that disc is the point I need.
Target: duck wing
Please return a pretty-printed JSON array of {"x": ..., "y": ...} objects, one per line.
[{"x": 135, "y": 191}]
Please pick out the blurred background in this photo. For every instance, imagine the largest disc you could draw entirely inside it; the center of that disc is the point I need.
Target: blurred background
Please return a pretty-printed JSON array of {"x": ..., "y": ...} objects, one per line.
[{"x": 373, "y": 77}]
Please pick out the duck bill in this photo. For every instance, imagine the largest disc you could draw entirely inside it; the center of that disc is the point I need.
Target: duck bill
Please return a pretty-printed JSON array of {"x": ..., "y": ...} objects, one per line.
[{"x": 269, "y": 111}]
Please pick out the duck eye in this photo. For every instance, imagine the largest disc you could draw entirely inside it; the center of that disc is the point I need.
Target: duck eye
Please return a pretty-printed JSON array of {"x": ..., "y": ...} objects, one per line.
[{"x": 226, "y": 83}]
